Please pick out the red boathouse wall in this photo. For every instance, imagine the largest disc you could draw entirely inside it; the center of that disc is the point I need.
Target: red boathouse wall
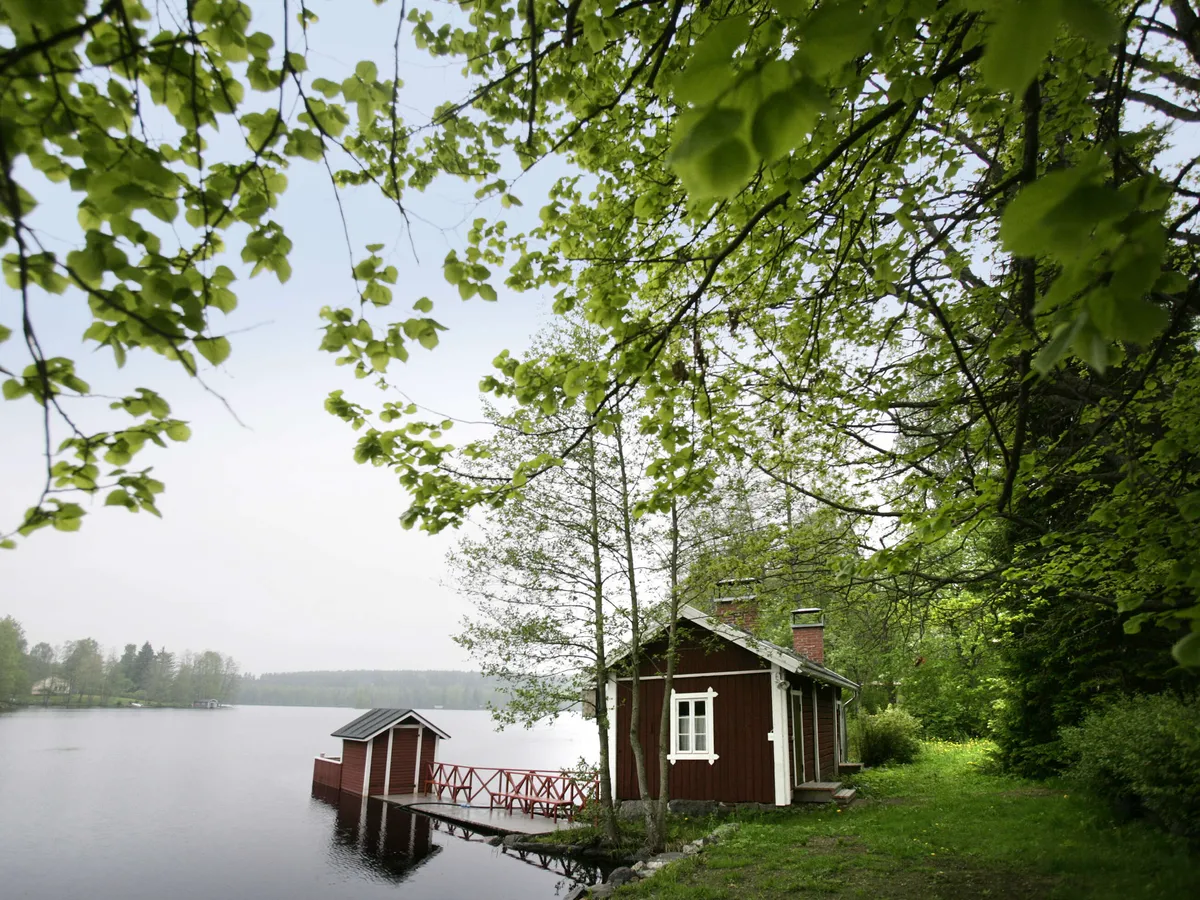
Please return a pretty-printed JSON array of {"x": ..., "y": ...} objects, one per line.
[{"x": 354, "y": 764}]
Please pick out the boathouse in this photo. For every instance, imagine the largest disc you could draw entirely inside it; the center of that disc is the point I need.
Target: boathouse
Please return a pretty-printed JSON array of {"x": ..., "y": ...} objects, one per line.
[
  {"x": 751, "y": 721},
  {"x": 384, "y": 751}
]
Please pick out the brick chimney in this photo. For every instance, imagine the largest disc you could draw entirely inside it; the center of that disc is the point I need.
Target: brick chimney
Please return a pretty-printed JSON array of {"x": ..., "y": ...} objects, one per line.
[
  {"x": 741, "y": 611},
  {"x": 808, "y": 634}
]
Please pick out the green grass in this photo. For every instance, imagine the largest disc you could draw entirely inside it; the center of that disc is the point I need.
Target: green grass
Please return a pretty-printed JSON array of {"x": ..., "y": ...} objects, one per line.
[{"x": 941, "y": 827}]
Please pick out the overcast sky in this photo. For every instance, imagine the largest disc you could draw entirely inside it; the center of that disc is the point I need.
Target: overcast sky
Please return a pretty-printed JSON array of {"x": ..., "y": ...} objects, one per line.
[{"x": 275, "y": 547}]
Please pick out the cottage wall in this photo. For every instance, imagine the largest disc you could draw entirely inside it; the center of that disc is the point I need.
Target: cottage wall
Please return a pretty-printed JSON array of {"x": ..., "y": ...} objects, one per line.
[
  {"x": 741, "y": 721},
  {"x": 826, "y": 726}
]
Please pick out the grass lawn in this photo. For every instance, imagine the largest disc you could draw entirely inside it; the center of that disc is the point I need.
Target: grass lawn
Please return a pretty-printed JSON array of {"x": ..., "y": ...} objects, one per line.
[{"x": 938, "y": 828}]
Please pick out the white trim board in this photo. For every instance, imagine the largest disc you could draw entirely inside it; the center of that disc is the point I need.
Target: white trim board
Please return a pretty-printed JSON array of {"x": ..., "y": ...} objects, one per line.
[
  {"x": 699, "y": 675},
  {"x": 780, "y": 696}
]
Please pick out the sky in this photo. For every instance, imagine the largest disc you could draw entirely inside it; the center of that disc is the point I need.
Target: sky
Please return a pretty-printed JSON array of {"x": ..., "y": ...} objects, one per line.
[{"x": 274, "y": 546}]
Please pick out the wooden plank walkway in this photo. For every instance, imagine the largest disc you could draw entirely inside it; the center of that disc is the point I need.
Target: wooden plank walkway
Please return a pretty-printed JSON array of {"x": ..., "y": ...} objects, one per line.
[{"x": 477, "y": 818}]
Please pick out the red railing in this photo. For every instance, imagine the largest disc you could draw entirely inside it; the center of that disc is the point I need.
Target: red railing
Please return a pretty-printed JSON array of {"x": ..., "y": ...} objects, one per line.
[{"x": 533, "y": 791}]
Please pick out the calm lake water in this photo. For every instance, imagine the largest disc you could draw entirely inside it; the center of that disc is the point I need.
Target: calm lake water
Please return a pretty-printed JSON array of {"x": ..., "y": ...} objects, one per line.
[{"x": 161, "y": 803}]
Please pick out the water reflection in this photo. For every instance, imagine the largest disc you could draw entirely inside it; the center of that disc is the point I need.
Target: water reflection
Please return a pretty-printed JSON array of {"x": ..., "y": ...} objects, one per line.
[
  {"x": 384, "y": 841},
  {"x": 376, "y": 838}
]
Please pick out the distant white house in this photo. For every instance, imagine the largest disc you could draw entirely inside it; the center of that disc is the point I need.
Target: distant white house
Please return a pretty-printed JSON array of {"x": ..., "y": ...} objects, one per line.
[
  {"x": 205, "y": 704},
  {"x": 51, "y": 685}
]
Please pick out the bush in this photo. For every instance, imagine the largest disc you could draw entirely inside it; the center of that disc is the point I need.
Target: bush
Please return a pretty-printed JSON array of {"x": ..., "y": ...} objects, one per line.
[
  {"x": 1143, "y": 751},
  {"x": 890, "y": 735}
]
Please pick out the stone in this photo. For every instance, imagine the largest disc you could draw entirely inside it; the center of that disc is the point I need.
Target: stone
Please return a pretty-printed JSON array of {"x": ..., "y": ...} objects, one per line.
[
  {"x": 630, "y": 809},
  {"x": 663, "y": 858},
  {"x": 622, "y": 875},
  {"x": 692, "y": 808},
  {"x": 600, "y": 891},
  {"x": 723, "y": 831},
  {"x": 511, "y": 840},
  {"x": 577, "y": 893},
  {"x": 640, "y": 866},
  {"x": 495, "y": 840}
]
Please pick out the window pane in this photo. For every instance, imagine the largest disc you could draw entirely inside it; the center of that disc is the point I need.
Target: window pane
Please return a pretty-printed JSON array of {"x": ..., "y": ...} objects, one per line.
[
  {"x": 701, "y": 742},
  {"x": 684, "y": 708},
  {"x": 700, "y": 725},
  {"x": 685, "y": 743},
  {"x": 699, "y": 707}
]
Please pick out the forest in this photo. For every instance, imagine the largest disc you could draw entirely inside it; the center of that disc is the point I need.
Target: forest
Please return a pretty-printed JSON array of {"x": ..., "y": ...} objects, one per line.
[
  {"x": 892, "y": 308},
  {"x": 82, "y": 673},
  {"x": 363, "y": 689}
]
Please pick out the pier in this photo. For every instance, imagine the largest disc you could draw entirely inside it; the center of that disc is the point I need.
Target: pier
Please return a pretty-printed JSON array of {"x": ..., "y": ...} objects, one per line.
[{"x": 500, "y": 801}]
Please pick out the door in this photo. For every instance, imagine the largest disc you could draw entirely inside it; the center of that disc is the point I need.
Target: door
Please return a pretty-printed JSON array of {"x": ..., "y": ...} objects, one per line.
[{"x": 799, "y": 774}]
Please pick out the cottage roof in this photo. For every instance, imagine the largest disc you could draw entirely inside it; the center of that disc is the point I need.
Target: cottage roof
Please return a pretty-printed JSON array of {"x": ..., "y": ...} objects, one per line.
[
  {"x": 377, "y": 721},
  {"x": 785, "y": 658}
]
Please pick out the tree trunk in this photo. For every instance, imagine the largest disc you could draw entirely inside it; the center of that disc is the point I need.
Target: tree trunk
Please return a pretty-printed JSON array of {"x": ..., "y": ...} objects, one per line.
[
  {"x": 664, "y": 721},
  {"x": 655, "y": 838},
  {"x": 602, "y": 712}
]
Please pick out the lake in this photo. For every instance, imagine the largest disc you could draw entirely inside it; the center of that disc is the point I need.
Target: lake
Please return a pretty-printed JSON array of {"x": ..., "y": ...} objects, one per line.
[{"x": 151, "y": 803}]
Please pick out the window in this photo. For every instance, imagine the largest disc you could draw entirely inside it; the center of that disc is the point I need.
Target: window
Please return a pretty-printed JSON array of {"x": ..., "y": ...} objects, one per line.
[{"x": 692, "y": 727}]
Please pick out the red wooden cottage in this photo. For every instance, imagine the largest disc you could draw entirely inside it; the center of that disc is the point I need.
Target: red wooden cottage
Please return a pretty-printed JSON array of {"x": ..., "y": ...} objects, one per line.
[
  {"x": 384, "y": 751},
  {"x": 751, "y": 721}
]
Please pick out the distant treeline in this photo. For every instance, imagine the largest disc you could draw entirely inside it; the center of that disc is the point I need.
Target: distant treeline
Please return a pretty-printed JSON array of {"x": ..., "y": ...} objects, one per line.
[
  {"x": 82, "y": 672},
  {"x": 363, "y": 689}
]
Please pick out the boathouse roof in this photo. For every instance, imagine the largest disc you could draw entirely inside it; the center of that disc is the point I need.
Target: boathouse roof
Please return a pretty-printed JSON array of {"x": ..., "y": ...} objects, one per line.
[{"x": 377, "y": 721}]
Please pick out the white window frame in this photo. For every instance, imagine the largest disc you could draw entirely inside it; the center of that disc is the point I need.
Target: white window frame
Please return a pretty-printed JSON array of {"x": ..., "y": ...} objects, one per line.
[{"x": 710, "y": 755}]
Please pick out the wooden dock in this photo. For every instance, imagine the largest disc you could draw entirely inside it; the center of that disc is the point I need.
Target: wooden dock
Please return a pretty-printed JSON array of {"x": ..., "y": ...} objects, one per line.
[{"x": 477, "y": 818}]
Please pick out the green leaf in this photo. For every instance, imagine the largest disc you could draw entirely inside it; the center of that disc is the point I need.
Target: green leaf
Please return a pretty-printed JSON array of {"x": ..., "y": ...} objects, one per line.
[
  {"x": 329, "y": 88},
  {"x": 1091, "y": 20},
  {"x": 1023, "y": 227},
  {"x": 215, "y": 350},
  {"x": 709, "y": 131},
  {"x": 5, "y": 333},
  {"x": 366, "y": 70},
  {"x": 782, "y": 122},
  {"x": 178, "y": 432},
  {"x": 118, "y": 497},
  {"x": 835, "y": 34},
  {"x": 487, "y": 292},
  {"x": 1017, "y": 43},
  {"x": 1134, "y": 319},
  {"x": 1050, "y": 355},
  {"x": 8, "y": 544},
  {"x": 1187, "y": 650},
  {"x": 423, "y": 305},
  {"x": 709, "y": 70},
  {"x": 13, "y": 389}
]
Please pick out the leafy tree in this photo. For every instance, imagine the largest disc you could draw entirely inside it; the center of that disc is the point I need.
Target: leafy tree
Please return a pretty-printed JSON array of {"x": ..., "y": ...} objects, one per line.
[
  {"x": 129, "y": 662},
  {"x": 143, "y": 667},
  {"x": 41, "y": 660},
  {"x": 83, "y": 667},
  {"x": 869, "y": 246},
  {"x": 172, "y": 130},
  {"x": 13, "y": 677}
]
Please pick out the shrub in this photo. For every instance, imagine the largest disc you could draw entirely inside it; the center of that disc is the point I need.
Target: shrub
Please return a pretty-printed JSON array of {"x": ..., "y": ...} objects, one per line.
[
  {"x": 890, "y": 735},
  {"x": 1143, "y": 751}
]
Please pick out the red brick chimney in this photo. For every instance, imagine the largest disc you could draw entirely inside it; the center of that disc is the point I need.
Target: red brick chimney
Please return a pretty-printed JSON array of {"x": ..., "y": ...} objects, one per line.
[
  {"x": 740, "y": 612},
  {"x": 808, "y": 638}
]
